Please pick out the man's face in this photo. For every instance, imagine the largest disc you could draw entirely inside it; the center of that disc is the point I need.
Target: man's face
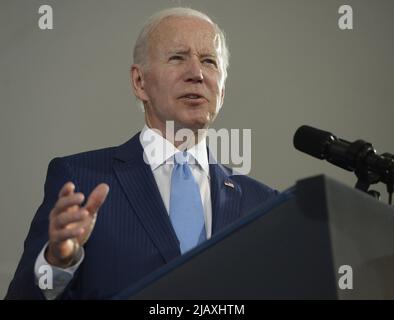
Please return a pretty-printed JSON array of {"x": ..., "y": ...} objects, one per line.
[{"x": 184, "y": 79}]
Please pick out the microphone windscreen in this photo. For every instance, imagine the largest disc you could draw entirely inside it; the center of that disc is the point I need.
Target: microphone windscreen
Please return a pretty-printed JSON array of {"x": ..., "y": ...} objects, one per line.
[{"x": 312, "y": 141}]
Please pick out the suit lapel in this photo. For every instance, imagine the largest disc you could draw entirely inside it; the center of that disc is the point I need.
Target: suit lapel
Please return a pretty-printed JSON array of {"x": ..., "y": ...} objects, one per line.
[
  {"x": 225, "y": 196},
  {"x": 139, "y": 185}
]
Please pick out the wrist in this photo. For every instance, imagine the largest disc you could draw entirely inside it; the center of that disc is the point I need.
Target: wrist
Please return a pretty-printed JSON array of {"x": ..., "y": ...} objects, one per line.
[{"x": 59, "y": 262}]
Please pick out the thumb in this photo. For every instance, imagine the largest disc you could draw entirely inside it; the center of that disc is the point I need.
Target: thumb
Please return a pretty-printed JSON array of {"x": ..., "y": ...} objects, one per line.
[{"x": 97, "y": 198}]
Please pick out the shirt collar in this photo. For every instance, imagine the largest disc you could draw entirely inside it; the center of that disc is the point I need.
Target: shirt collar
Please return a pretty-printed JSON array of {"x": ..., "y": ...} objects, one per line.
[{"x": 158, "y": 150}]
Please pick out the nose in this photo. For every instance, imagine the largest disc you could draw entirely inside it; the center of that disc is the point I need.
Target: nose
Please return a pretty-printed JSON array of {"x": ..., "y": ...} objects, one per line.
[{"x": 194, "y": 72}]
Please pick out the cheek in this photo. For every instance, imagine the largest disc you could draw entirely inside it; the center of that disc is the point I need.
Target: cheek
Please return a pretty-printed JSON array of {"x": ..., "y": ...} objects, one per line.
[
  {"x": 167, "y": 84},
  {"x": 156, "y": 90},
  {"x": 215, "y": 82},
  {"x": 217, "y": 91},
  {"x": 216, "y": 88}
]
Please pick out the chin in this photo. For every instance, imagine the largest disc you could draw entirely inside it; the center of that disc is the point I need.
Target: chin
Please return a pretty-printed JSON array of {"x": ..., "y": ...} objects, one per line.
[
  {"x": 194, "y": 124},
  {"x": 194, "y": 120}
]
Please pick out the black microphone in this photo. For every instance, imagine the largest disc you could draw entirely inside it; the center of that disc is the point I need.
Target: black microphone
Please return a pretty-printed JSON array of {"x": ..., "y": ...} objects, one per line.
[
  {"x": 324, "y": 145},
  {"x": 358, "y": 156}
]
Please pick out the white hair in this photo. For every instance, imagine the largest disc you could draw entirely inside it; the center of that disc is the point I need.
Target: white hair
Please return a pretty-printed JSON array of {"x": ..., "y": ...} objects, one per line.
[{"x": 140, "y": 52}]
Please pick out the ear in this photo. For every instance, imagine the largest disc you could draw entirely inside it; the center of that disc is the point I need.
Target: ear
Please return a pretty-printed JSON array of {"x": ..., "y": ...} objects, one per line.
[{"x": 137, "y": 81}]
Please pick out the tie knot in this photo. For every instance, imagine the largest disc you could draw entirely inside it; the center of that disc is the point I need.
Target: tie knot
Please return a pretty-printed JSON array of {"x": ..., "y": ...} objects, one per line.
[{"x": 181, "y": 157}]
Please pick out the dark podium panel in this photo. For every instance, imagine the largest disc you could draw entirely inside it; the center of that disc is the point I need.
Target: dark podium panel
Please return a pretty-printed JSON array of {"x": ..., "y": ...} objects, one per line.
[{"x": 290, "y": 248}]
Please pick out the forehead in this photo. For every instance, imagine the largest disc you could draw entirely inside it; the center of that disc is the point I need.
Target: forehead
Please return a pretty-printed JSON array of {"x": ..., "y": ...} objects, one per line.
[{"x": 184, "y": 33}]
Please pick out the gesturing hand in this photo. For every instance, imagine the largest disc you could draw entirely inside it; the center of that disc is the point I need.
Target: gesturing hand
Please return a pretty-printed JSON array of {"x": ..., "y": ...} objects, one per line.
[{"x": 70, "y": 225}]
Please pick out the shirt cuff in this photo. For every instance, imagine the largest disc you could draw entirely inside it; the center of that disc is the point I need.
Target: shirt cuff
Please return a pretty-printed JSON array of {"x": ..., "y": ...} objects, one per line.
[{"x": 53, "y": 280}]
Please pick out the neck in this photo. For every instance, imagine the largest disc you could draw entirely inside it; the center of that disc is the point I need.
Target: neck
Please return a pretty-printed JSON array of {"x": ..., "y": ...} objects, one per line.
[{"x": 182, "y": 138}]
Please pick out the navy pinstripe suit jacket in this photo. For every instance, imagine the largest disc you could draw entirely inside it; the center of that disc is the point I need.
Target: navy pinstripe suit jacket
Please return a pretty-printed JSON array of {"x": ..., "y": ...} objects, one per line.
[{"x": 133, "y": 235}]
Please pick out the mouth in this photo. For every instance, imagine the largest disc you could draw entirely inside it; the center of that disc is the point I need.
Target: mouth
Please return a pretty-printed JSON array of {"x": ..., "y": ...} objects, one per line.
[{"x": 193, "y": 98}]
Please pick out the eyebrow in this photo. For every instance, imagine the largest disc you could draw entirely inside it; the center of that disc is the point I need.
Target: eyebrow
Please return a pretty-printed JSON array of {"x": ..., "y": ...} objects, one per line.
[{"x": 186, "y": 52}]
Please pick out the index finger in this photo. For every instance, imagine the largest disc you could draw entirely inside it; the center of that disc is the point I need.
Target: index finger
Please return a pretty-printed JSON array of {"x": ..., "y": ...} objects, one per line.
[{"x": 97, "y": 198}]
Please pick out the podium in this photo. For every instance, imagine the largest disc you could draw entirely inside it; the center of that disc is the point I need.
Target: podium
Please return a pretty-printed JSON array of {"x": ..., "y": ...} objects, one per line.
[{"x": 293, "y": 247}]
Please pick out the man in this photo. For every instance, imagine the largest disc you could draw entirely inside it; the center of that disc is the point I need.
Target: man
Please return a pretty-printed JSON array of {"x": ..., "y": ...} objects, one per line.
[{"x": 145, "y": 208}]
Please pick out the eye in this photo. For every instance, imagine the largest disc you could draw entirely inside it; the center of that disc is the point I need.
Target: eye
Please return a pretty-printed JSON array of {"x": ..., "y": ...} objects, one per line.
[
  {"x": 210, "y": 61},
  {"x": 176, "y": 57}
]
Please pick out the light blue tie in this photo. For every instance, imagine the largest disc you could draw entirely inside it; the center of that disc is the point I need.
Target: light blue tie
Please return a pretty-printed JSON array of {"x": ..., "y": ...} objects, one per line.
[{"x": 186, "y": 210}]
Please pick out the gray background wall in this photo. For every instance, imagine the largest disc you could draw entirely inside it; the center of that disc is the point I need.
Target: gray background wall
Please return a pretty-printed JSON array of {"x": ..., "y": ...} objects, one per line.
[{"x": 67, "y": 90}]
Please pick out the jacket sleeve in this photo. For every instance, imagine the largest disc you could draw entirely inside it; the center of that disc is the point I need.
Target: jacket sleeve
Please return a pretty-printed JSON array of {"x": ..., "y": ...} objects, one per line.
[{"x": 23, "y": 285}]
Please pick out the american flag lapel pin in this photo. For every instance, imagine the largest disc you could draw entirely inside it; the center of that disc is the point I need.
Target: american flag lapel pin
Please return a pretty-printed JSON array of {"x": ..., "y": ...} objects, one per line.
[{"x": 229, "y": 184}]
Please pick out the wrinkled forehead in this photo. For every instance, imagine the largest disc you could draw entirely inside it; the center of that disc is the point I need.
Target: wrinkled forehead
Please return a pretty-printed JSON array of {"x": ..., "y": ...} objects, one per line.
[{"x": 184, "y": 33}]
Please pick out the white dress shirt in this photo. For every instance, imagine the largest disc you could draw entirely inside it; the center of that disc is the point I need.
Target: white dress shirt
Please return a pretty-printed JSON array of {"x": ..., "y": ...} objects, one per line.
[{"x": 158, "y": 153}]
